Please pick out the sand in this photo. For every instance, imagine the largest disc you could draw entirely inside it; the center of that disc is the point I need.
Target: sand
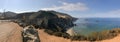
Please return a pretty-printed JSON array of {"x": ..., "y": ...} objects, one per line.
[
  {"x": 11, "y": 32},
  {"x": 44, "y": 37}
]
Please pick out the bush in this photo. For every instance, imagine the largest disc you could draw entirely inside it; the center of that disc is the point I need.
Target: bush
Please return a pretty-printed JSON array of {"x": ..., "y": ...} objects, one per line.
[
  {"x": 96, "y": 36},
  {"x": 65, "y": 35},
  {"x": 49, "y": 31},
  {"x": 78, "y": 37},
  {"x": 59, "y": 34}
]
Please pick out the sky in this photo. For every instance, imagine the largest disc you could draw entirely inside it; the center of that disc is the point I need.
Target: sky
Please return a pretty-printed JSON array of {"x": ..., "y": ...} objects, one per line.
[{"x": 75, "y": 8}]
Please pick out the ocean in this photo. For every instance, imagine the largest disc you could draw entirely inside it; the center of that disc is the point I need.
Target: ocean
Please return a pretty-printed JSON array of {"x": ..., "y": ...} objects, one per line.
[{"x": 85, "y": 26}]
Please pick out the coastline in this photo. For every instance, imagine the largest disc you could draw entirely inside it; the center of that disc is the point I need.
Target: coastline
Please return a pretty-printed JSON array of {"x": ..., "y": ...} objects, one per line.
[{"x": 44, "y": 37}]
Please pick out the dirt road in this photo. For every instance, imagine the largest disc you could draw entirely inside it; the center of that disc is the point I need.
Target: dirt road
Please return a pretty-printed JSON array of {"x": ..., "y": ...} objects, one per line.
[{"x": 10, "y": 32}]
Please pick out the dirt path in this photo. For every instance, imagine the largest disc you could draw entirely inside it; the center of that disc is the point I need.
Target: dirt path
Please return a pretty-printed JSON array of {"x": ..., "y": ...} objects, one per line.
[
  {"x": 10, "y": 32},
  {"x": 44, "y": 37},
  {"x": 48, "y": 38}
]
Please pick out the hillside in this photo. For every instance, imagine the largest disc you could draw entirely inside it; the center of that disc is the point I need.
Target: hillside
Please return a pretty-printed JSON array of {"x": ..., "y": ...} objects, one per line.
[
  {"x": 7, "y": 15},
  {"x": 53, "y": 21}
]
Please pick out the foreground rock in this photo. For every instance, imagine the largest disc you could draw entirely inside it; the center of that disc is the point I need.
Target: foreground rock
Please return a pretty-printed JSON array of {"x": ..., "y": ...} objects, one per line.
[{"x": 30, "y": 34}]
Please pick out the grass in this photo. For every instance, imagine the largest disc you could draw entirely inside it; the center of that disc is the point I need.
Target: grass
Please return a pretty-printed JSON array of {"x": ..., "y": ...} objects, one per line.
[{"x": 97, "y": 36}]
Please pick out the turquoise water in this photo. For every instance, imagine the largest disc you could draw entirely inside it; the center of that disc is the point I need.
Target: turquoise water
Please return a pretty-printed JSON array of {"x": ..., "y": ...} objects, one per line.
[{"x": 88, "y": 25}]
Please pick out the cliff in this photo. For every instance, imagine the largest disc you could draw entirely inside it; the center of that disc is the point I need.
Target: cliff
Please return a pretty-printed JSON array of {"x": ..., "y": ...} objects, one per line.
[{"x": 52, "y": 21}]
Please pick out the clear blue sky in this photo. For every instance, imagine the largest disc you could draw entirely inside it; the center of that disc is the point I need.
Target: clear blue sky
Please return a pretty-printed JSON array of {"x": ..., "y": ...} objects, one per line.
[{"x": 76, "y": 8}]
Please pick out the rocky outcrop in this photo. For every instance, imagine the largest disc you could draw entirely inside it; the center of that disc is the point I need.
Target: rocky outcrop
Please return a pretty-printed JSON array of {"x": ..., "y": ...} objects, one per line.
[{"x": 30, "y": 34}]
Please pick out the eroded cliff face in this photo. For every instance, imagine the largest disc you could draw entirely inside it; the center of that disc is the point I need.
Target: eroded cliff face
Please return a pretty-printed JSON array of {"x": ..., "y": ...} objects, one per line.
[{"x": 49, "y": 20}]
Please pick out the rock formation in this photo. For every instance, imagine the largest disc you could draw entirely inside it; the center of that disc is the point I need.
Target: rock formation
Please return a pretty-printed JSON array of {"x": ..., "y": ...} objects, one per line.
[{"x": 30, "y": 34}]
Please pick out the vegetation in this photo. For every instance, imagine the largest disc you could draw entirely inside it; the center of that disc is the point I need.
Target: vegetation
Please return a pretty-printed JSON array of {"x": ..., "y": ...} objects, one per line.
[
  {"x": 54, "y": 23},
  {"x": 59, "y": 34},
  {"x": 96, "y": 36}
]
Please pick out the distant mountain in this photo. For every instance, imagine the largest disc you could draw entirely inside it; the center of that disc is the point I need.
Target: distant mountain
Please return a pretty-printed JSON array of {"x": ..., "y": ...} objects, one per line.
[
  {"x": 33, "y": 15},
  {"x": 7, "y": 15},
  {"x": 10, "y": 14},
  {"x": 0, "y": 14},
  {"x": 25, "y": 15}
]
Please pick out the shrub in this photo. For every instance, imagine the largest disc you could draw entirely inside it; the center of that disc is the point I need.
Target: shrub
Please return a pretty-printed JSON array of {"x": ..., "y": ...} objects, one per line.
[
  {"x": 59, "y": 34},
  {"x": 96, "y": 36},
  {"x": 49, "y": 31},
  {"x": 65, "y": 35}
]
